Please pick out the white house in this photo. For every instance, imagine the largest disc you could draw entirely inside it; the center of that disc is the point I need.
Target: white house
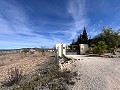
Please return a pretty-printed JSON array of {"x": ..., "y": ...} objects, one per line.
[
  {"x": 61, "y": 49},
  {"x": 83, "y": 48}
]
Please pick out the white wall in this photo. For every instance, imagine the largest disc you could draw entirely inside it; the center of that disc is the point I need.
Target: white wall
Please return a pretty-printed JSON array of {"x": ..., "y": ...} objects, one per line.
[
  {"x": 64, "y": 49},
  {"x": 61, "y": 49},
  {"x": 83, "y": 48}
]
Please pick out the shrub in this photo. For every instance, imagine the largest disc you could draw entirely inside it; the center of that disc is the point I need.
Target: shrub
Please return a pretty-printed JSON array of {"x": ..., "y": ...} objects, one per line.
[
  {"x": 50, "y": 78},
  {"x": 96, "y": 50},
  {"x": 101, "y": 48},
  {"x": 14, "y": 76},
  {"x": 25, "y": 50},
  {"x": 90, "y": 51},
  {"x": 2, "y": 62}
]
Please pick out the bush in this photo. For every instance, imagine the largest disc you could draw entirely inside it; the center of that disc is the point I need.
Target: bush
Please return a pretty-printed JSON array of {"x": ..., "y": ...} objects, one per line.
[
  {"x": 49, "y": 77},
  {"x": 90, "y": 50},
  {"x": 96, "y": 50},
  {"x": 25, "y": 50},
  {"x": 14, "y": 76},
  {"x": 101, "y": 48}
]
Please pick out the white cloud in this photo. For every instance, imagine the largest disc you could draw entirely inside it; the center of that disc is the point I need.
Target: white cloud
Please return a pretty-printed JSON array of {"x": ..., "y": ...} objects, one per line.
[
  {"x": 77, "y": 9},
  {"x": 15, "y": 29},
  {"x": 12, "y": 18}
]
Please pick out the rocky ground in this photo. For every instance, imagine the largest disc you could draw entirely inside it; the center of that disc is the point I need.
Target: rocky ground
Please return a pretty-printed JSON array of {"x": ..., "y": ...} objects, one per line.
[
  {"x": 95, "y": 73},
  {"x": 39, "y": 73},
  {"x": 27, "y": 62}
]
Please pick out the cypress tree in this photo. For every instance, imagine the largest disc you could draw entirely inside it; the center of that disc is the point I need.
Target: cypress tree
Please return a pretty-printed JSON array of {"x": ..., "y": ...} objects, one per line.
[
  {"x": 73, "y": 42},
  {"x": 85, "y": 37}
]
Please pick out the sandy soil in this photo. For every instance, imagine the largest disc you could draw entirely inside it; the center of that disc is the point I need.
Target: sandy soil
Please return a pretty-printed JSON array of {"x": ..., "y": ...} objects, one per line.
[
  {"x": 27, "y": 63},
  {"x": 96, "y": 73}
]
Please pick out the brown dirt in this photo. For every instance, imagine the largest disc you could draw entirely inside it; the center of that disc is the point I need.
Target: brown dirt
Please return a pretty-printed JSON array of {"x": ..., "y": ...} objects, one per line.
[{"x": 28, "y": 63}]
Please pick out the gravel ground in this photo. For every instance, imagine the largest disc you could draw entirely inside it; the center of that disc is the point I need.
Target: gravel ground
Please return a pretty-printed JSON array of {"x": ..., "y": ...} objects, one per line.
[
  {"x": 96, "y": 73},
  {"x": 28, "y": 63}
]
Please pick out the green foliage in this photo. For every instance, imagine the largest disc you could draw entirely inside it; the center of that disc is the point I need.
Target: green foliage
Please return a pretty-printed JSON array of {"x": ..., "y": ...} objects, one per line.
[
  {"x": 101, "y": 48},
  {"x": 82, "y": 39},
  {"x": 96, "y": 50},
  {"x": 90, "y": 51},
  {"x": 73, "y": 42},
  {"x": 109, "y": 36},
  {"x": 103, "y": 42}
]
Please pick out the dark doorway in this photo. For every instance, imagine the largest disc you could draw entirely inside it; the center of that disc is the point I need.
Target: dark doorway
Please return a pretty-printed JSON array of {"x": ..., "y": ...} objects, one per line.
[{"x": 72, "y": 50}]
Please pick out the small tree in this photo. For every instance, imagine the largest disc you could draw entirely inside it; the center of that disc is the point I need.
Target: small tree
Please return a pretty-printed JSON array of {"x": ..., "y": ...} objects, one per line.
[
  {"x": 102, "y": 47},
  {"x": 109, "y": 36},
  {"x": 43, "y": 51},
  {"x": 73, "y": 42},
  {"x": 90, "y": 51}
]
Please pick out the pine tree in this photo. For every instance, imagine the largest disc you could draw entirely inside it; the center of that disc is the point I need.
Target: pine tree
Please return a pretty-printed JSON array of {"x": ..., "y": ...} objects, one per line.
[
  {"x": 84, "y": 36},
  {"x": 80, "y": 39},
  {"x": 73, "y": 42}
]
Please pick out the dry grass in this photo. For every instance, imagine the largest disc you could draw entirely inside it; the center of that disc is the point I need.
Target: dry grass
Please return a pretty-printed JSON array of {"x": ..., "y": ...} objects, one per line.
[
  {"x": 27, "y": 62},
  {"x": 49, "y": 77},
  {"x": 14, "y": 76}
]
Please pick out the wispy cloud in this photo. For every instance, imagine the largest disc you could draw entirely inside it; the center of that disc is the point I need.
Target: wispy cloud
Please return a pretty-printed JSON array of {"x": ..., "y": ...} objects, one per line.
[
  {"x": 16, "y": 29},
  {"x": 12, "y": 17},
  {"x": 36, "y": 24},
  {"x": 77, "y": 10},
  {"x": 95, "y": 28}
]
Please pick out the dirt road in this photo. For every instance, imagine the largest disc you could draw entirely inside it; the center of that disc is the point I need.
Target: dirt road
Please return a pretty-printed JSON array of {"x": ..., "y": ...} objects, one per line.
[{"x": 96, "y": 73}]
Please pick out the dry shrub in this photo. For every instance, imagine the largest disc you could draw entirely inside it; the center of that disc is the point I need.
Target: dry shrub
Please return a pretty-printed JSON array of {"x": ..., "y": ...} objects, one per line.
[
  {"x": 2, "y": 61},
  {"x": 66, "y": 59},
  {"x": 35, "y": 55},
  {"x": 49, "y": 77},
  {"x": 14, "y": 76}
]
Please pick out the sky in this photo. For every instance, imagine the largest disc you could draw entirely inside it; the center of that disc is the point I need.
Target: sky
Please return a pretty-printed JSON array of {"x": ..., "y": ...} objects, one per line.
[{"x": 43, "y": 23}]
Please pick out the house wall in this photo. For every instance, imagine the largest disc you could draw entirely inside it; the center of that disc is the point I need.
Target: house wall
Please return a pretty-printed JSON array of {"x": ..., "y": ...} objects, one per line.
[
  {"x": 64, "y": 49},
  {"x": 83, "y": 48},
  {"x": 61, "y": 49}
]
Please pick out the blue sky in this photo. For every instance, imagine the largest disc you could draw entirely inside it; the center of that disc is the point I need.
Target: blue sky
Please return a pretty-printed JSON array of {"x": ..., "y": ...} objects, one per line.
[{"x": 43, "y": 23}]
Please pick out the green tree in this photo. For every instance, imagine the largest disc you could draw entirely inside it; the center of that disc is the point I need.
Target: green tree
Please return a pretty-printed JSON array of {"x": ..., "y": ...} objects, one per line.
[
  {"x": 80, "y": 39},
  {"x": 102, "y": 47},
  {"x": 109, "y": 36},
  {"x": 73, "y": 42},
  {"x": 84, "y": 36}
]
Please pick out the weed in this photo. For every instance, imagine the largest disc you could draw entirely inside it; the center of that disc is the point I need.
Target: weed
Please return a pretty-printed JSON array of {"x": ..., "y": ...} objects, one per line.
[{"x": 14, "y": 76}]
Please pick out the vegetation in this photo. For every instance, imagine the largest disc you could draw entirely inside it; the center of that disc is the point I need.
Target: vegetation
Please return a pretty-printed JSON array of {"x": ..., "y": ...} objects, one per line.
[
  {"x": 110, "y": 36},
  {"x": 14, "y": 76},
  {"x": 107, "y": 41},
  {"x": 82, "y": 39},
  {"x": 49, "y": 77},
  {"x": 101, "y": 48},
  {"x": 25, "y": 50}
]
